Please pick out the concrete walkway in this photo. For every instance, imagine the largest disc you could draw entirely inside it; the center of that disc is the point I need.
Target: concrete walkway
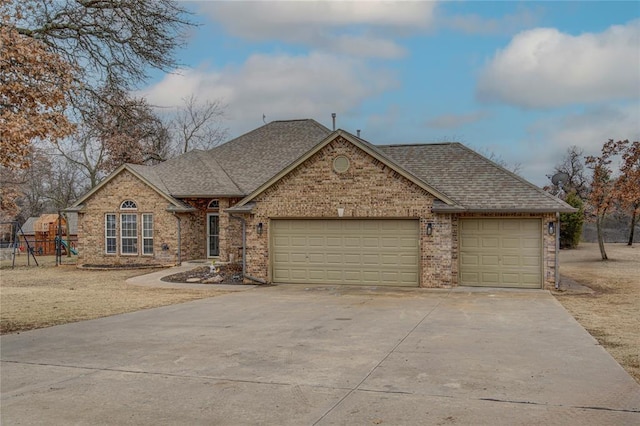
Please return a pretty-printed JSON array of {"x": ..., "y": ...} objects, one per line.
[{"x": 296, "y": 355}]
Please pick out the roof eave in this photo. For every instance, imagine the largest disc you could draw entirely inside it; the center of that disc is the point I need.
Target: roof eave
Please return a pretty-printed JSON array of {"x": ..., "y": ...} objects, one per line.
[
  {"x": 74, "y": 209},
  {"x": 246, "y": 208},
  {"x": 208, "y": 195},
  {"x": 504, "y": 210},
  {"x": 178, "y": 209}
]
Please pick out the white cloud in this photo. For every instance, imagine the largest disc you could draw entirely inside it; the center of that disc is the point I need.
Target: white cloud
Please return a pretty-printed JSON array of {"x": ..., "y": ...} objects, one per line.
[
  {"x": 589, "y": 129},
  {"x": 281, "y": 87},
  {"x": 452, "y": 121},
  {"x": 546, "y": 68},
  {"x": 476, "y": 24},
  {"x": 331, "y": 26}
]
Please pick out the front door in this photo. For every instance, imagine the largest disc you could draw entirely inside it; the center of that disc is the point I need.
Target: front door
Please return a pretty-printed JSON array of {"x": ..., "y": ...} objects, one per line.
[{"x": 213, "y": 235}]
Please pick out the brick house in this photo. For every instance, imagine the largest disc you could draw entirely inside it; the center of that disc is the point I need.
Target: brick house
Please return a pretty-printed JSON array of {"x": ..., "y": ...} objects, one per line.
[{"x": 298, "y": 203}]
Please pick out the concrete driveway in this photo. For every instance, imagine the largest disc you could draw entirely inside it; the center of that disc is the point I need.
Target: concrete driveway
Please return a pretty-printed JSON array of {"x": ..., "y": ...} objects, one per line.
[{"x": 295, "y": 355}]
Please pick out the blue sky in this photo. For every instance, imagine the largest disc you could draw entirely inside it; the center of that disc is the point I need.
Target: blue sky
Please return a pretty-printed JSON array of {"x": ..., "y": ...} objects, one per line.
[{"x": 524, "y": 80}]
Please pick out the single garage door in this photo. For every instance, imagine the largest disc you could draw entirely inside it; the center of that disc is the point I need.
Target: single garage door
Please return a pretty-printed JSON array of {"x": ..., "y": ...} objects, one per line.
[
  {"x": 501, "y": 252},
  {"x": 345, "y": 251}
]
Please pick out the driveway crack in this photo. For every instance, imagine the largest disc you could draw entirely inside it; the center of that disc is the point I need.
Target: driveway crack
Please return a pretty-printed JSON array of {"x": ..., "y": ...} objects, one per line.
[{"x": 355, "y": 388}]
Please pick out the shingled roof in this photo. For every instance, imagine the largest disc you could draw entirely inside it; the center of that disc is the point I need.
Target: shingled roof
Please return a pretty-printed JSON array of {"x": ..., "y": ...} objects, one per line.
[
  {"x": 239, "y": 166},
  {"x": 462, "y": 179},
  {"x": 474, "y": 182}
]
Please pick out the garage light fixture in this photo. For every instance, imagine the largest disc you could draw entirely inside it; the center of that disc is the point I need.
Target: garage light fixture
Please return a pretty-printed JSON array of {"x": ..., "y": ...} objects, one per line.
[
  {"x": 429, "y": 228},
  {"x": 259, "y": 228},
  {"x": 551, "y": 228}
]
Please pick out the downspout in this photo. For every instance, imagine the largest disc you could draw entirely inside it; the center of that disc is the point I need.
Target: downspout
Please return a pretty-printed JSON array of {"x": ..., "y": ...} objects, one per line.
[
  {"x": 244, "y": 251},
  {"x": 179, "y": 239},
  {"x": 557, "y": 250}
]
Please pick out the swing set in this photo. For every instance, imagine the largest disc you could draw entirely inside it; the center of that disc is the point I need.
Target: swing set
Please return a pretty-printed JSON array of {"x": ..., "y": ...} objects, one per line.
[{"x": 16, "y": 232}]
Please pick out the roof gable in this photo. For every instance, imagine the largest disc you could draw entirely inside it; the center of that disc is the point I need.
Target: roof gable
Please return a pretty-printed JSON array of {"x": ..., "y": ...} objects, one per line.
[
  {"x": 143, "y": 173},
  {"x": 359, "y": 143}
]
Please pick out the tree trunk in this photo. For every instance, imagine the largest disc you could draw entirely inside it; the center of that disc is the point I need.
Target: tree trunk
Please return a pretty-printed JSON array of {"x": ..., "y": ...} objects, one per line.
[
  {"x": 634, "y": 220},
  {"x": 603, "y": 253}
]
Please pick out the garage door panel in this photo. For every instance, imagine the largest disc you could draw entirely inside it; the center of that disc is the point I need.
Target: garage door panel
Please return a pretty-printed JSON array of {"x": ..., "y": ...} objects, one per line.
[
  {"x": 370, "y": 242},
  {"x": 490, "y": 278},
  {"x": 333, "y": 241},
  {"x": 531, "y": 279},
  {"x": 469, "y": 259},
  {"x": 511, "y": 260},
  {"x": 501, "y": 252},
  {"x": 531, "y": 243},
  {"x": 489, "y": 226},
  {"x": 486, "y": 260},
  {"x": 362, "y": 252},
  {"x": 489, "y": 243}
]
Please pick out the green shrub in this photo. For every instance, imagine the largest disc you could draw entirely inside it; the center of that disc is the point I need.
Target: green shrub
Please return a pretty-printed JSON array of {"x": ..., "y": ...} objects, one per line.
[{"x": 571, "y": 223}]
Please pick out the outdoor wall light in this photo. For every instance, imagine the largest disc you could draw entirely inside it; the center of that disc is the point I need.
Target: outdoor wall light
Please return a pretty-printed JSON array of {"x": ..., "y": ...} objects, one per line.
[
  {"x": 429, "y": 228},
  {"x": 340, "y": 211},
  {"x": 551, "y": 228},
  {"x": 259, "y": 228}
]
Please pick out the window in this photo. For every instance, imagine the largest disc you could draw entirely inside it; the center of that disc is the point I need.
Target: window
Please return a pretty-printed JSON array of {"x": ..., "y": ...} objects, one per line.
[
  {"x": 110, "y": 234},
  {"x": 128, "y": 205},
  {"x": 128, "y": 233},
  {"x": 147, "y": 234},
  {"x": 214, "y": 205}
]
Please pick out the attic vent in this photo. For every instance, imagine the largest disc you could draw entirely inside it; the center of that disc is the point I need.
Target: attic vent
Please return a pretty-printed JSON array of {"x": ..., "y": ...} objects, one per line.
[{"x": 341, "y": 164}]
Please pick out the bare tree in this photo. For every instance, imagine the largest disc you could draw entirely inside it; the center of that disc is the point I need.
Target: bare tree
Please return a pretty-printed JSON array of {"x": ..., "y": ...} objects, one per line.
[
  {"x": 628, "y": 185},
  {"x": 573, "y": 165},
  {"x": 197, "y": 125},
  {"x": 113, "y": 43}
]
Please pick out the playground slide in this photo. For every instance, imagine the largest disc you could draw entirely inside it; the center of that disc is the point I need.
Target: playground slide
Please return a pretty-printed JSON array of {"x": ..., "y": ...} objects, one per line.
[{"x": 73, "y": 251}]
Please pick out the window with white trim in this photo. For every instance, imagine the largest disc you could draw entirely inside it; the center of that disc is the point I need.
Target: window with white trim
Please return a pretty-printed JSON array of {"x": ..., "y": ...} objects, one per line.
[
  {"x": 128, "y": 205},
  {"x": 147, "y": 234},
  {"x": 110, "y": 234},
  {"x": 128, "y": 233}
]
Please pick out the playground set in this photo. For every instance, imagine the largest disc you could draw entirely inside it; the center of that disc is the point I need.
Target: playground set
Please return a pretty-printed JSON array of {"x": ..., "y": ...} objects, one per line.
[{"x": 50, "y": 238}]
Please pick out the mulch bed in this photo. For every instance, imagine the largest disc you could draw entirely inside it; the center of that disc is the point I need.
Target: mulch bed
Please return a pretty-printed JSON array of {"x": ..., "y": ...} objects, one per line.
[
  {"x": 120, "y": 266},
  {"x": 230, "y": 273}
]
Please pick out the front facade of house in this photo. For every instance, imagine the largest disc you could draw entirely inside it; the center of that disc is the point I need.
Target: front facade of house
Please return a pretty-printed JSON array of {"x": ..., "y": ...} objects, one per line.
[{"x": 329, "y": 208}]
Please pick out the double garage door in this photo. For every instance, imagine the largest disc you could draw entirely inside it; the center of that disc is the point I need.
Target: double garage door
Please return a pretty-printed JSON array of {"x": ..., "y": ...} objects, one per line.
[
  {"x": 346, "y": 251},
  {"x": 493, "y": 252},
  {"x": 501, "y": 252}
]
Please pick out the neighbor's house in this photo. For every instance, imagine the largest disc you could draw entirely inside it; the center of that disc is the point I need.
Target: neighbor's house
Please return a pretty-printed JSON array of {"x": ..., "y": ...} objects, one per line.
[{"x": 314, "y": 206}]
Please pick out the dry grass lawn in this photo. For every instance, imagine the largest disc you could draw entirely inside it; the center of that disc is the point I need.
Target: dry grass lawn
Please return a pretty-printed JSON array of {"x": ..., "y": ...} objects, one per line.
[
  {"x": 612, "y": 313},
  {"x": 36, "y": 297}
]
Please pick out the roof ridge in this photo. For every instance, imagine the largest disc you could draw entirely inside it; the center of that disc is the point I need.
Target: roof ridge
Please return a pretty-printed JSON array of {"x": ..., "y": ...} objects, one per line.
[
  {"x": 512, "y": 174},
  {"x": 416, "y": 144}
]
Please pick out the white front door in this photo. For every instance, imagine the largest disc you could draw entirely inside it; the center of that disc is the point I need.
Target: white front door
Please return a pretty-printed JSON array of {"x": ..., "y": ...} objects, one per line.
[{"x": 213, "y": 235}]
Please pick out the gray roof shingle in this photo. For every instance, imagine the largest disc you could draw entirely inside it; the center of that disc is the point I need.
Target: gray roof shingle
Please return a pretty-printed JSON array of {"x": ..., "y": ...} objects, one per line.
[
  {"x": 253, "y": 158},
  {"x": 239, "y": 166},
  {"x": 473, "y": 181}
]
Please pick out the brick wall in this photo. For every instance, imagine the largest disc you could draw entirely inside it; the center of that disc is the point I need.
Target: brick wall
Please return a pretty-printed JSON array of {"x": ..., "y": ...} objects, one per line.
[
  {"x": 369, "y": 189},
  {"x": 91, "y": 223}
]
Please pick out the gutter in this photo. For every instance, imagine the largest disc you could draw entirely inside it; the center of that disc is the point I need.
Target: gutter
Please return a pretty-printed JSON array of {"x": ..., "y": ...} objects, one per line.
[
  {"x": 244, "y": 250},
  {"x": 558, "y": 250},
  {"x": 179, "y": 238}
]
